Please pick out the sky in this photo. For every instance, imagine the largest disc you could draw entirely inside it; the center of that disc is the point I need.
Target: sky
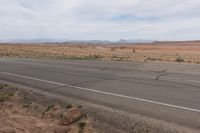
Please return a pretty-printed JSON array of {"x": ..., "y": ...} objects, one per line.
[{"x": 100, "y": 19}]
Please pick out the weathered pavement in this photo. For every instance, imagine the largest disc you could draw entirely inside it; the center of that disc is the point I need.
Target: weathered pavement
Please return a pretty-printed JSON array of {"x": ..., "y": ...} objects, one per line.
[{"x": 164, "y": 91}]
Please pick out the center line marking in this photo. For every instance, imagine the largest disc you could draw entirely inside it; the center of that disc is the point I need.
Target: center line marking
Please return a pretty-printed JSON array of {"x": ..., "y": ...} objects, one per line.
[{"x": 102, "y": 92}]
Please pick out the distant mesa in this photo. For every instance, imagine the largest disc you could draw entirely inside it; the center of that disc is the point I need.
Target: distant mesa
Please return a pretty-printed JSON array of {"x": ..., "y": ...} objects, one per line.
[{"x": 65, "y": 41}]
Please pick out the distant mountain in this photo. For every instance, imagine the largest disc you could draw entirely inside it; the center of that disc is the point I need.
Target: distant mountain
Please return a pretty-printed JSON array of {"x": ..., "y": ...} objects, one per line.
[
  {"x": 65, "y": 41},
  {"x": 33, "y": 40},
  {"x": 135, "y": 41}
]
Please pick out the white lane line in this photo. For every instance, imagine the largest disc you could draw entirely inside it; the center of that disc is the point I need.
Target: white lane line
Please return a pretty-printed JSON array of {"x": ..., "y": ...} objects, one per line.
[{"x": 102, "y": 92}]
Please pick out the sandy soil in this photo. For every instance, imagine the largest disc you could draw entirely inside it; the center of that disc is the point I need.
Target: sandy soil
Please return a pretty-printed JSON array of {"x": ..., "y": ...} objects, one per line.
[
  {"x": 27, "y": 112},
  {"x": 188, "y": 52}
]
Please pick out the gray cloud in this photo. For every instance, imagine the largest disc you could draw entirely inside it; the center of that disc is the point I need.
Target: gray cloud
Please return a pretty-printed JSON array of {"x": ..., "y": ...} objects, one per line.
[{"x": 89, "y": 19}]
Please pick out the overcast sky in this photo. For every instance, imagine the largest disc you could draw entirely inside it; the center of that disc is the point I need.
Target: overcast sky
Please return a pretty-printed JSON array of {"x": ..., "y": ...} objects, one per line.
[{"x": 100, "y": 19}]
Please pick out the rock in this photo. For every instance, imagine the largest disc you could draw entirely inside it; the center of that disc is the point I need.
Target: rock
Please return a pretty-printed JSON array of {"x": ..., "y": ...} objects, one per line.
[
  {"x": 61, "y": 130},
  {"x": 71, "y": 116}
]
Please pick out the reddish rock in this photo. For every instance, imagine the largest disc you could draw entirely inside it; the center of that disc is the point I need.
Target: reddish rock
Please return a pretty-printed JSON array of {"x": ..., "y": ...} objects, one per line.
[
  {"x": 71, "y": 116},
  {"x": 61, "y": 130}
]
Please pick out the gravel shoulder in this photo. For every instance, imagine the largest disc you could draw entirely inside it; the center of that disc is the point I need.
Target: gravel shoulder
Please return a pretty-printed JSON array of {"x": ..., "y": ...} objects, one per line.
[{"x": 24, "y": 109}]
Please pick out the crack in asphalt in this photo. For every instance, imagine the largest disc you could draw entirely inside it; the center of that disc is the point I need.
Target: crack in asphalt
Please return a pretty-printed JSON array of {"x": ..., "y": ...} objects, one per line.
[{"x": 161, "y": 74}]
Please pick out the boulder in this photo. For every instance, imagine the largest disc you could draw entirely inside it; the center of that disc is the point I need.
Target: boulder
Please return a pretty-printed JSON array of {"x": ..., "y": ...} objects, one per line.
[
  {"x": 61, "y": 129},
  {"x": 71, "y": 116}
]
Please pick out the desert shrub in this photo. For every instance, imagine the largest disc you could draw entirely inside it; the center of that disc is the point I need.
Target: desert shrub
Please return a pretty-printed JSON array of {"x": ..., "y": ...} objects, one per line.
[
  {"x": 82, "y": 127},
  {"x": 113, "y": 49},
  {"x": 134, "y": 51},
  {"x": 179, "y": 59}
]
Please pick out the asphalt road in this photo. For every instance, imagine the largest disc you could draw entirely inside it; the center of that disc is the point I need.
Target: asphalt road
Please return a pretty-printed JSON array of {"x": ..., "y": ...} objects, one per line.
[{"x": 166, "y": 91}]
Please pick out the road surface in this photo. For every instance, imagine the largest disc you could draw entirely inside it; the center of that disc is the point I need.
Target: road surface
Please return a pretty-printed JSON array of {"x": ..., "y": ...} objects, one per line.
[{"x": 166, "y": 91}]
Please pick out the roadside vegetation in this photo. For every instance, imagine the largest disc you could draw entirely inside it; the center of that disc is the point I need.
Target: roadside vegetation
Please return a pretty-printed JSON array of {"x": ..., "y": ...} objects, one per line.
[
  {"x": 25, "y": 111},
  {"x": 187, "y": 52}
]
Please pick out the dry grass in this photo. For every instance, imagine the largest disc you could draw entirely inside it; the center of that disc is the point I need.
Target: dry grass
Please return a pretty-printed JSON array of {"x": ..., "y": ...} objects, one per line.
[{"x": 173, "y": 52}]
